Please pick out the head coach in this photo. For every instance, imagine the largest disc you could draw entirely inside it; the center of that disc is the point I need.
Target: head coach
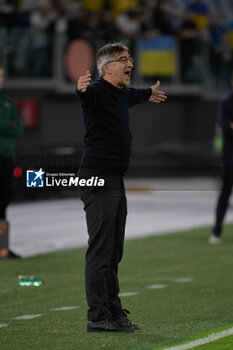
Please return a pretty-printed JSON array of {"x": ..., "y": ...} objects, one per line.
[{"x": 107, "y": 146}]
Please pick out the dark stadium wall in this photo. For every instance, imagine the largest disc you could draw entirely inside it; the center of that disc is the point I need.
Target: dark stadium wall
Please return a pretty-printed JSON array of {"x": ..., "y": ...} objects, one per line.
[
  {"x": 184, "y": 119},
  {"x": 181, "y": 118}
]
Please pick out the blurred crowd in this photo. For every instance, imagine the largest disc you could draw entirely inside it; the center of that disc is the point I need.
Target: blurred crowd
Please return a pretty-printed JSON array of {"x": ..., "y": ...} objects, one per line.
[{"x": 195, "y": 24}]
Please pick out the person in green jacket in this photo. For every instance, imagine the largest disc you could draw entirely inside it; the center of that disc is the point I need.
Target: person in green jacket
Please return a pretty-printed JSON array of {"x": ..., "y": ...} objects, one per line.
[{"x": 10, "y": 129}]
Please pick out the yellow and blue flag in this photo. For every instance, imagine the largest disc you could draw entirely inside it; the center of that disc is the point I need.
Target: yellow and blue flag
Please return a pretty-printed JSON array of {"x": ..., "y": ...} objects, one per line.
[
  {"x": 157, "y": 56},
  {"x": 230, "y": 34}
]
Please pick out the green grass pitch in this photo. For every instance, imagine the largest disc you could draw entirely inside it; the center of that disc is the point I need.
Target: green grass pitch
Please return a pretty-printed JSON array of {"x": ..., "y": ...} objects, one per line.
[
  {"x": 221, "y": 344},
  {"x": 184, "y": 310}
]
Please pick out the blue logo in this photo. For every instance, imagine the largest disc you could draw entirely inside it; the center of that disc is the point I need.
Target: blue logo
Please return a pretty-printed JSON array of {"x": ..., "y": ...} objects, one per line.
[{"x": 35, "y": 178}]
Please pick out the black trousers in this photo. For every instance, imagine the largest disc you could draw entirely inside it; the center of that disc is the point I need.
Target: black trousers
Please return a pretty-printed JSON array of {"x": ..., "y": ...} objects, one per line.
[
  {"x": 6, "y": 177},
  {"x": 106, "y": 211},
  {"x": 223, "y": 200}
]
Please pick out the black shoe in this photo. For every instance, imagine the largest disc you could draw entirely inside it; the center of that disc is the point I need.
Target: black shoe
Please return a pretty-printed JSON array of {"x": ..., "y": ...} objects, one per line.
[
  {"x": 108, "y": 326},
  {"x": 122, "y": 320}
]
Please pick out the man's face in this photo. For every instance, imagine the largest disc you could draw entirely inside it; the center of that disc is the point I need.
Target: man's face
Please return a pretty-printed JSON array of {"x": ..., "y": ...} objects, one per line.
[
  {"x": 1, "y": 77},
  {"x": 120, "y": 69}
]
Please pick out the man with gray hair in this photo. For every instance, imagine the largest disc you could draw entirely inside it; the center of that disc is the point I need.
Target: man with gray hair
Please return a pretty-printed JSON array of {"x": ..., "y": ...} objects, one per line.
[{"x": 107, "y": 147}]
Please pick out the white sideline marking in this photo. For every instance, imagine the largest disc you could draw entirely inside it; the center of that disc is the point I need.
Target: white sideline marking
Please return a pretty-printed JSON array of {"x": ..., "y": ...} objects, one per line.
[
  {"x": 156, "y": 286},
  {"x": 3, "y": 325},
  {"x": 174, "y": 279},
  {"x": 209, "y": 339},
  {"x": 181, "y": 280},
  {"x": 64, "y": 308},
  {"x": 27, "y": 317},
  {"x": 129, "y": 294}
]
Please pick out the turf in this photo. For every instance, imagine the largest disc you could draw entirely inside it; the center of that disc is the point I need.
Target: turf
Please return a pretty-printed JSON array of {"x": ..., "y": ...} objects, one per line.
[
  {"x": 169, "y": 316},
  {"x": 221, "y": 344}
]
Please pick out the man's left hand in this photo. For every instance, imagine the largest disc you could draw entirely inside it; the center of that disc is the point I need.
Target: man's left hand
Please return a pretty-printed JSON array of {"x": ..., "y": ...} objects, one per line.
[{"x": 157, "y": 96}]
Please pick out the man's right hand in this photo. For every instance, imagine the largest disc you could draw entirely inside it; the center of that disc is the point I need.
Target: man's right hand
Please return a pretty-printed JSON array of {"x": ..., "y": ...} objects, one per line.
[{"x": 84, "y": 81}]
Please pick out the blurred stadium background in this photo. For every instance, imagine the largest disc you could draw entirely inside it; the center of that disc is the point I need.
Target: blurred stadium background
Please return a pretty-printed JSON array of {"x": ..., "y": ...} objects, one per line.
[
  {"x": 45, "y": 45},
  {"x": 187, "y": 45}
]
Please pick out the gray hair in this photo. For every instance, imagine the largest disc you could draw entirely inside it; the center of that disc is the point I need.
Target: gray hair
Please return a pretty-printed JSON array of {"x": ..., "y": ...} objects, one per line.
[
  {"x": 107, "y": 53},
  {"x": 100, "y": 62}
]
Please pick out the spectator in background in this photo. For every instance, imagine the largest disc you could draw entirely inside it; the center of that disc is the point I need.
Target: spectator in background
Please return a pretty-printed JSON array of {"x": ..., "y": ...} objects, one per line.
[
  {"x": 227, "y": 177},
  {"x": 199, "y": 7},
  {"x": 42, "y": 26},
  {"x": 201, "y": 11},
  {"x": 108, "y": 28},
  {"x": 78, "y": 26},
  {"x": 61, "y": 23},
  {"x": 24, "y": 9},
  {"x": 147, "y": 4},
  {"x": 93, "y": 24},
  {"x": 188, "y": 37},
  {"x": 128, "y": 23},
  {"x": 148, "y": 29},
  {"x": 218, "y": 50},
  {"x": 7, "y": 13},
  {"x": 163, "y": 17},
  {"x": 230, "y": 40},
  {"x": 71, "y": 6},
  {"x": 94, "y": 6},
  {"x": 129, "y": 27},
  {"x": 10, "y": 128},
  {"x": 122, "y": 6}
]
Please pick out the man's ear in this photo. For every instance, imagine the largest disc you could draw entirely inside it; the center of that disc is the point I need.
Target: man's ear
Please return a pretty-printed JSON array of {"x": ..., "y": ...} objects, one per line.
[{"x": 107, "y": 68}]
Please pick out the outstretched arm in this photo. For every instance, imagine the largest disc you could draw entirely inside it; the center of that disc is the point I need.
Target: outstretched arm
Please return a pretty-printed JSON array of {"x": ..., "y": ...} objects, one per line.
[
  {"x": 157, "y": 96},
  {"x": 83, "y": 82}
]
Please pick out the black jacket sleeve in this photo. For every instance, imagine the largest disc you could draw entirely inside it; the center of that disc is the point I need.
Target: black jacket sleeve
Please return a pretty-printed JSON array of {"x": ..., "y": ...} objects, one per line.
[
  {"x": 227, "y": 118},
  {"x": 137, "y": 96},
  {"x": 89, "y": 97}
]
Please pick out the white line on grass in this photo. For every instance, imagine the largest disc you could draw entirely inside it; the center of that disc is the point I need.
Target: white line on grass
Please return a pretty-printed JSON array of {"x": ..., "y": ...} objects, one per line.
[
  {"x": 27, "y": 317},
  {"x": 156, "y": 286},
  {"x": 3, "y": 325},
  {"x": 174, "y": 279},
  {"x": 209, "y": 339},
  {"x": 129, "y": 294},
  {"x": 181, "y": 280},
  {"x": 64, "y": 308}
]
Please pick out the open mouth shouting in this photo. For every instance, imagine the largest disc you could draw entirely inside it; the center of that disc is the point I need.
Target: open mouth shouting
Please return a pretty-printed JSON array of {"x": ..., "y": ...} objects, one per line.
[{"x": 128, "y": 73}]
